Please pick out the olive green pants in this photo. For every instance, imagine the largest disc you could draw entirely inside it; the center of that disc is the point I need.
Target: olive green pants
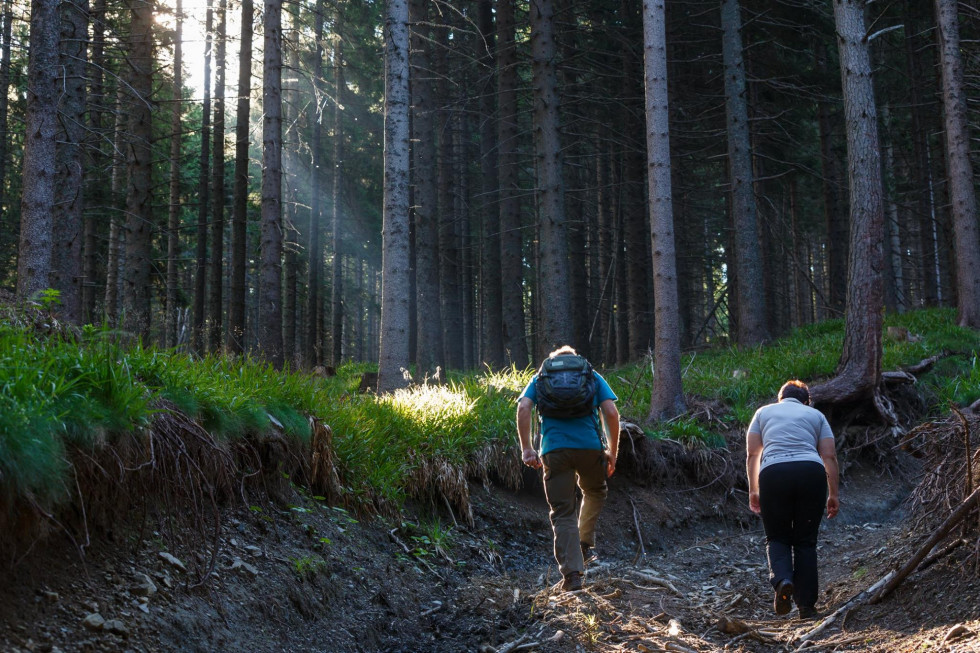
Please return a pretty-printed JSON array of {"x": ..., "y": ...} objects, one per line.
[{"x": 564, "y": 469}]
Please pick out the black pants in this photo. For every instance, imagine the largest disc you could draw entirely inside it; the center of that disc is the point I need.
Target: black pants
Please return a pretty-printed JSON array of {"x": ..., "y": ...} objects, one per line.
[{"x": 792, "y": 497}]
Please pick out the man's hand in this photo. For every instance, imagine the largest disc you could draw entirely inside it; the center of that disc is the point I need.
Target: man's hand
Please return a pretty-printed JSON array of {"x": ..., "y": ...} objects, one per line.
[
  {"x": 610, "y": 463},
  {"x": 754, "y": 502},
  {"x": 531, "y": 458},
  {"x": 833, "y": 505}
]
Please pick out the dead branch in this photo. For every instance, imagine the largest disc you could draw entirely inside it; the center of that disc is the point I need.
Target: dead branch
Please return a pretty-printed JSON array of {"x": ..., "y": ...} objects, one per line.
[
  {"x": 512, "y": 646},
  {"x": 859, "y": 599},
  {"x": 656, "y": 580},
  {"x": 639, "y": 534},
  {"x": 926, "y": 364},
  {"x": 942, "y": 553},
  {"x": 964, "y": 509}
]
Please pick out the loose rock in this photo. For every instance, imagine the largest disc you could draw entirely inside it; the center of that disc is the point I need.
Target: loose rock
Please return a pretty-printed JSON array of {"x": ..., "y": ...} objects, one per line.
[
  {"x": 94, "y": 621},
  {"x": 173, "y": 561}
]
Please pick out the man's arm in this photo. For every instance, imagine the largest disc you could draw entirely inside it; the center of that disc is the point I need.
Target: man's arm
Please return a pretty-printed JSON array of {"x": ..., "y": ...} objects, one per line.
[
  {"x": 753, "y": 456},
  {"x": 828, "y": 453},
  {"x": 610, "y": 415},
  {"x": 528, "y": 454}
]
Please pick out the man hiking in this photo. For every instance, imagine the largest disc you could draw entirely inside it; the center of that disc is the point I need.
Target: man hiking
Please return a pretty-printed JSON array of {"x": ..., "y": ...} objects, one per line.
[{"x": 574, "y": 403}]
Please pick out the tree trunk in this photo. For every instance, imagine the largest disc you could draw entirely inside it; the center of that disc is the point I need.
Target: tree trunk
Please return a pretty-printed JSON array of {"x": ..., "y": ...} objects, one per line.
[
  {"x": 66, "y": 265},
  {"x": 115, "y": 254},
  {"x": 8, "y": 18},
  {"x": 270, "y": 276},
  {"x": 490, "y": 277},
  {"x": 291, "y": 233},
  {"x": 667, "y": 396},
  {"x": 139, "y": 199},
  {"x": 859, "y": 370},
  {"x": 394, "y": 352},
  {"x": 313, "y": 353},
  {"x": 96, "y": 159},
  {"x": 215, "y": 300},
  {"x": 751, "y": 294},
  {"x": 239, "y": 219},
  {"x": 337, "y": 299},
  {"x": 429, "y": 351},
  {"x": 959, "y": 169},
  {"x": 553, "y": 275},
  {"x": 834, "y": 214},
  {"x": 895, "y": 291},
  {"x": 450, "y": 272},
  {"x": 928, "y": 294},
  {"x": 511, "y": 237},
  {"x": 173, "y": 217},
  {"x": 203, "y": 198},
  {"x": 40, "y": 136}
]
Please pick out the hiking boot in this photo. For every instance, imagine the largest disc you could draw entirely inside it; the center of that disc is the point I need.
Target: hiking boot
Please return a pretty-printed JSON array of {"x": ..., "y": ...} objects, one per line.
[
  {"x": 783, "y": 601},
  {"x": 587, "y": 554},
  {"x": 572, "y": 582},
  {"x": 808, "y": 612}
]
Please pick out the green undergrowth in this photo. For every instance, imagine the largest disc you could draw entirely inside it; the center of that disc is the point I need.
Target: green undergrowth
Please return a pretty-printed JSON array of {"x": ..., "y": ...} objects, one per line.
[
  {"x": 744, "y": 378},
  {"x": 58, "y": 394}
]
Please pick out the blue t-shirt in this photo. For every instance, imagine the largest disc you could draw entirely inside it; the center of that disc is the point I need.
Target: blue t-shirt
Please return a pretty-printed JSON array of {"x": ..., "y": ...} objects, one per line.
[{"x": 575, "y": 433}]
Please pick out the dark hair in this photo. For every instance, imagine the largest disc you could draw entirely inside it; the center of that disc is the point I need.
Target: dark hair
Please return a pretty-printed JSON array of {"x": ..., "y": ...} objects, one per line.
[{"x": 795, "y": 389}]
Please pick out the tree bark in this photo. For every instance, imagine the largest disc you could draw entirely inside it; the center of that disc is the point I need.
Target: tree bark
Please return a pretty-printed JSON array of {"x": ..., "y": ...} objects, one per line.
[
  {"x": 115, "y": 255},
  {"x": 40, "y": 136},
  {"x": 667, "y": 396},
  {"x": 450, "y": 270},
  {"x": 553, "y": 275},
  {"x": 835, "y": 215},
  {"x": 751, "y": 292},
  {"x": 173, "y": 213},
  {"x": 511, "y": 238},
  {"x": 394, "y": 352},
  {"x": 7, "y": 17},
  {"x": 959, "y": 169},
  {"x": 198, "y": 334},
  {"x": 859, "y": 370},
  {"x": 96, "y": 158},
  {"x": 337, "y": 298},
  {"x": 239, "y": 220},
  {"x": 490, "y": 272},
  {"x": 66, "y": 266},
  {"x": 429, "y": 350},
  {"x": 313, "y": 354},
  {"x": 140, "y": 221},
  {"x": 270, "y": 275},
  {"x": 215, "y": 296}
]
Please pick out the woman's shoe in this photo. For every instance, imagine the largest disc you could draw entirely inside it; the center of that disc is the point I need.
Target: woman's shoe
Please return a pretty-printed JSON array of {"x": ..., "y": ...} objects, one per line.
[{"x": 783, "y": 601}]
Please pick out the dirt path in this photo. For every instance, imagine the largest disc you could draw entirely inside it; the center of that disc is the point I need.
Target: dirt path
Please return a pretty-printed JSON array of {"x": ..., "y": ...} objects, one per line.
[
  {"x": 704, "y": 587},
  {"x": 310, "y": 577}
]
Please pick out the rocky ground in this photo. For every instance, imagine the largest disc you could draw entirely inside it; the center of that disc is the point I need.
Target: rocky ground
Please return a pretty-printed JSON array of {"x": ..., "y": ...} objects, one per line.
[{"x": 304, "y": 576}]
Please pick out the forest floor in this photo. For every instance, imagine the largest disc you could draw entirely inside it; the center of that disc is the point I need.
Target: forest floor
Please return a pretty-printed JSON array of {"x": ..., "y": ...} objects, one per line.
[{"x": 303, "y": 576}]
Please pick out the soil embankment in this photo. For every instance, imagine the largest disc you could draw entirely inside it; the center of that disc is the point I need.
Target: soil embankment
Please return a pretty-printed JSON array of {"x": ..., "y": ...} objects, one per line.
[{"x": 308, "y": 577}]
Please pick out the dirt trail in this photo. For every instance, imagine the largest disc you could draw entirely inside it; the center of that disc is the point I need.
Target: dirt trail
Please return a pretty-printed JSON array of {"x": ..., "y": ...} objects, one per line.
[
  {"x": 704, "y": 587},
  {"x": 310, "y": 577}
]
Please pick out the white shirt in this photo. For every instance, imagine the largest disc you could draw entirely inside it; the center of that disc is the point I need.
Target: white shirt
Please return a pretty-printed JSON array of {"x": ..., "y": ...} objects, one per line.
[{"x": 790, "y": 432}]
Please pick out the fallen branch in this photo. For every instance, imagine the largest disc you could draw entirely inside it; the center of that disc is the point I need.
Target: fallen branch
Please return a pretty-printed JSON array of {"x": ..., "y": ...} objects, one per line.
[
  {"x": 512, "y": 646},
  {"x": 958, "y": 515},
  {"x": 859, "y": 599},
  {"x": 658, "y": 581},
  {"x": 639, "y": 535},
  {"x": 926, "y": 364}
]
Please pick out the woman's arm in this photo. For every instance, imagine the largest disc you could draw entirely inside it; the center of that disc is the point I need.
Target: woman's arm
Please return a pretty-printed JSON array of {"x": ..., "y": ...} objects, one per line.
[
  {"x": 753, "y": 456},
  {"x": 828, "y": 453}
]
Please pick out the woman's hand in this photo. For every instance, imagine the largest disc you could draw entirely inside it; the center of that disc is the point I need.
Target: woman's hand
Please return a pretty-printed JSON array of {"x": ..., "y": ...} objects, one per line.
[
  {"x": 833, "y": 505},
  {"x": 754, "y": 502}
]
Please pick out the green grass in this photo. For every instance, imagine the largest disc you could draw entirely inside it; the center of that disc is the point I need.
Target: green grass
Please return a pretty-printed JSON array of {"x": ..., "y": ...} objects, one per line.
[
  {"x": 57, "y": 395},
  {"x": 745, "y": 378}
]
